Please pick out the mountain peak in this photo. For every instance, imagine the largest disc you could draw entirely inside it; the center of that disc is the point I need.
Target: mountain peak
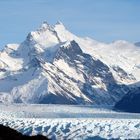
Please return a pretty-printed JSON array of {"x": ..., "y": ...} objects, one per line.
[
  {"x": 59, "y": 23},
  {"x": 45, "y": 26}
]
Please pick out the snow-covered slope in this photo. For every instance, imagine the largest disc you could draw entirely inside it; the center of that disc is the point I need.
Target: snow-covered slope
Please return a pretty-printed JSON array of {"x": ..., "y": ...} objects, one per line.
[{"x": 54, "y": 66}]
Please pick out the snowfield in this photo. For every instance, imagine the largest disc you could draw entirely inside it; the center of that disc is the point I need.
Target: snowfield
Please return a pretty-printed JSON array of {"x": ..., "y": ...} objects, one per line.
[{"x": 71, "y": 122}]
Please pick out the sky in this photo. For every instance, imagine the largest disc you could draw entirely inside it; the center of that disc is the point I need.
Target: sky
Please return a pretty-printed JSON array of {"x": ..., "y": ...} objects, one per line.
[{"x": 102, "y": 20}]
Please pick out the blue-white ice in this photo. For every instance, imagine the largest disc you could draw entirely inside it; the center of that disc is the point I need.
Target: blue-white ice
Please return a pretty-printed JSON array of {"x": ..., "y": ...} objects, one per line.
[{"x": 71, "y": 122}]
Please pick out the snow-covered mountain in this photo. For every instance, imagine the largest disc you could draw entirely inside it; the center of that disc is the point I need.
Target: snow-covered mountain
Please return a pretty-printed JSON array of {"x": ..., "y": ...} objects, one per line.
[{"x": 53, "y": 65}]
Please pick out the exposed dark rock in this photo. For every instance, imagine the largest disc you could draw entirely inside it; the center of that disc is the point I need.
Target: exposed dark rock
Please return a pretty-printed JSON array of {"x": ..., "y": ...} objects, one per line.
[
  {"x": 7, "y": 133},
  {"x": 130, "y": 102}
]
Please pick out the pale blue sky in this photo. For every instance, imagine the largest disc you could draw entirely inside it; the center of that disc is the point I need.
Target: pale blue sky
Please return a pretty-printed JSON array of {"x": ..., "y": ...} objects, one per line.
[{"x": 103, "y": 20}]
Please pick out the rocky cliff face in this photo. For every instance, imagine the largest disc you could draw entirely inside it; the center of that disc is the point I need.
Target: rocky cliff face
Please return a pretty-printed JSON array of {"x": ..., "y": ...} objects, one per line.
[{"x": 130, "y": 102}]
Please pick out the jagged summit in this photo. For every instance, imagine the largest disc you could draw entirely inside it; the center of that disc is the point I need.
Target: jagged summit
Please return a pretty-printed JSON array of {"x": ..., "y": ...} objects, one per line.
[
  {"x": 53, "y": 65},
  {"x": 45, "y": 26},
  {"x": 59, "y": 23}
]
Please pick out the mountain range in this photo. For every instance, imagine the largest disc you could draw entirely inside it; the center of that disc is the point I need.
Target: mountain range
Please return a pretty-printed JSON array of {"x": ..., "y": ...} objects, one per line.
[{"x": 52, "y": 65}]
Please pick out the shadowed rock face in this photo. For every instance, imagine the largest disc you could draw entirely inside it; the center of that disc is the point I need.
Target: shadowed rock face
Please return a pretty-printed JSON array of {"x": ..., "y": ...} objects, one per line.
[
  {"x": 137, "y": 44},
  {"x": 92, "y": 69},
  {"x": 130, "y": 102},
  {"x": 7, "y": 133}
]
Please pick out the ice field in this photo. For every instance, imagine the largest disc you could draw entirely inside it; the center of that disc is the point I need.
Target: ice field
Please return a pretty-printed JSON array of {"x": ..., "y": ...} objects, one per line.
[{"x": 71, "y": 122}]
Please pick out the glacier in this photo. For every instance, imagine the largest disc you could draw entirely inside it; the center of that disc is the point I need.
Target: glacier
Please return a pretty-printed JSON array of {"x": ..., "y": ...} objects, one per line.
[{"x": 78, "y": 122}]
